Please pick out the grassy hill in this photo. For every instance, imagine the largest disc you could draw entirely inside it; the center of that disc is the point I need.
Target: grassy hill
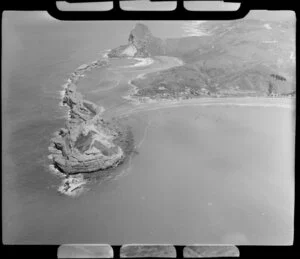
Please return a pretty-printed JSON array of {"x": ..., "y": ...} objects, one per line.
[{"x": 234, "y": 58}]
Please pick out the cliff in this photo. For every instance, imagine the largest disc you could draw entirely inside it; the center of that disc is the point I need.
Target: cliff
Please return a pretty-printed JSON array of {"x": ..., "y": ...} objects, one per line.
[{"x": 87, "y": 143}]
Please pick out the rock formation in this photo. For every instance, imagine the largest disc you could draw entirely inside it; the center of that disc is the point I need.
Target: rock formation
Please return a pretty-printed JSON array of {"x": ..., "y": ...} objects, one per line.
[
  {"x": 141, "y": 43},
  {"x": 87, "y": 143}
]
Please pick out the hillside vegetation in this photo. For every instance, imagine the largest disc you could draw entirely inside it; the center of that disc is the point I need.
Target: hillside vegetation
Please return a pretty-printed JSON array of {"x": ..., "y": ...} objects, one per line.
[{"x": 235, "y": 58}]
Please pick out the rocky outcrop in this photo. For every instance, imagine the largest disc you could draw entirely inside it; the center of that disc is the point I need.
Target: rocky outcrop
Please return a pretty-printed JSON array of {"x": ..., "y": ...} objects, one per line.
[
  {"x": 141, "y": 43},
  {"x": 87, "y": 143}
]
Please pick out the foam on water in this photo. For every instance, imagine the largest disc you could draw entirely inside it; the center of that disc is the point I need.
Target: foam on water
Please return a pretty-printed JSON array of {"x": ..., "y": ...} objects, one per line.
[
  {"x": 141, "y": 76},
  {"x": 62, "y": 93},
  {"x": 105, "y": 53},
  {"x": 143, "y": 62},
  {"x": 56, "y": 172},
  {"x": 73, "y": 185},
  {"x": 66, "y": 85}
]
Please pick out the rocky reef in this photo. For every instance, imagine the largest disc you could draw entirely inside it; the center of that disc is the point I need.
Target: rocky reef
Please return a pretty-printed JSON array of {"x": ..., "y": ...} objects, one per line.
[{"x": 87, "y": 143}]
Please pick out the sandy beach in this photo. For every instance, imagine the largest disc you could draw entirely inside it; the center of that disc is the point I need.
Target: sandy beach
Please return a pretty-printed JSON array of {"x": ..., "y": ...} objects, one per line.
[{"x": 288, "y": 103}]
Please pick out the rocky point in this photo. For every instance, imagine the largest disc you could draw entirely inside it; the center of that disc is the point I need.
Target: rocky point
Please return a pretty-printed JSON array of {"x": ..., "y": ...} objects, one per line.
[{"x": 87, "y": 143}]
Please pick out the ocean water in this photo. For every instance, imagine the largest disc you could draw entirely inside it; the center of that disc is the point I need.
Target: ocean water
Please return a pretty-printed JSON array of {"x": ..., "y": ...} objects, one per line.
[{"x": 201, "y": 174}]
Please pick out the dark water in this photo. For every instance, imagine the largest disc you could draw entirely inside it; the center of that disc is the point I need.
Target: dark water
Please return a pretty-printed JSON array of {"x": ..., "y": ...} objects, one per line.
[{"x": 201, "y": 175}]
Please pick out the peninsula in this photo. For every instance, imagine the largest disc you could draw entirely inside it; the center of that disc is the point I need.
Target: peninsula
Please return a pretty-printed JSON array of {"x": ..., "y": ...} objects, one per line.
[
  {"x": 233, "y": 59},
  {"x": 87, "y": 143}
]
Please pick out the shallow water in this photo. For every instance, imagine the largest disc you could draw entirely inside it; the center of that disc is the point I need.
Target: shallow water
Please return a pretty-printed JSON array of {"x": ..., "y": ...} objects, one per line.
[{"x": 201, "y": 174}]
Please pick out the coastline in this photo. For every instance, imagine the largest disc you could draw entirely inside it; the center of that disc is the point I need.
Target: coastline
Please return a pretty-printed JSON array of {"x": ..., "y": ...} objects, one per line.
[
  {"x": 144, "y": 99},
  {"x": 147, "y": 103},
  {"x": 84, "y": 123},
  {"x": 288, "y": 103},
  {"x": 73, "y": 185},
  {"x": 228, "y": 162}
]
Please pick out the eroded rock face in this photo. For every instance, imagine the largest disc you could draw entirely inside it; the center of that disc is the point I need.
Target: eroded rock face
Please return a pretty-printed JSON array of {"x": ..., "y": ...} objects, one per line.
[
  {"x": 87, "y": 143},
  {"x": 140, "y": 37}
]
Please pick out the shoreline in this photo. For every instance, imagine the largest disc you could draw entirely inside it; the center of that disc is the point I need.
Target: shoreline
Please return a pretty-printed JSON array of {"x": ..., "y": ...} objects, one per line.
[
  {"x": 73, "y": 184},
  {"x": 288, "y": 103},
  {"x": 137, "y": 101},
  {"x": 148, "y": 99},
  {"x": 145, "y": 102}
]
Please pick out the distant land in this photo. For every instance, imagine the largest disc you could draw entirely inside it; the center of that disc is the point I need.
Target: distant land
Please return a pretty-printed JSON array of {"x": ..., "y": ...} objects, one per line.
[
  {"x": 235, "y": 58},
  {"x": 247, "y": 58}
]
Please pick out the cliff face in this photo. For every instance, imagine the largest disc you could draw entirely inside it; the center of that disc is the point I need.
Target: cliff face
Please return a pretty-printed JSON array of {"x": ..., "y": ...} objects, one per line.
[
  {"x": 140, "y": 37},
  {"x": 87, "y": 143}
]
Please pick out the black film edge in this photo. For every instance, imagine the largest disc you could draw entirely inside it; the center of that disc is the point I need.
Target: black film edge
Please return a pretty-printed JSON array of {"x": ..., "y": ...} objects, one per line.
[{"x": 118, "y": 14}]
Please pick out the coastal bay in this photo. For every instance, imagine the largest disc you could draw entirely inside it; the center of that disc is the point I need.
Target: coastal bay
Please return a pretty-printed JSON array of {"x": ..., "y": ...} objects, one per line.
[
  {"x": 187, "y": 138},
  {"x": 203, "y": 170}
]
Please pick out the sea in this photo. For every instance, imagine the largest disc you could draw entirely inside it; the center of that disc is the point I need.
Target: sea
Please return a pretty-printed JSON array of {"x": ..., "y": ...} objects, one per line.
[{"x": 201, "y": 174}]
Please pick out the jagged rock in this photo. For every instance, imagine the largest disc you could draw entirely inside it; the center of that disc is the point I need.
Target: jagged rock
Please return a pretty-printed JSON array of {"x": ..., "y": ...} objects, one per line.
[{"x": 72, "y": 185}]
